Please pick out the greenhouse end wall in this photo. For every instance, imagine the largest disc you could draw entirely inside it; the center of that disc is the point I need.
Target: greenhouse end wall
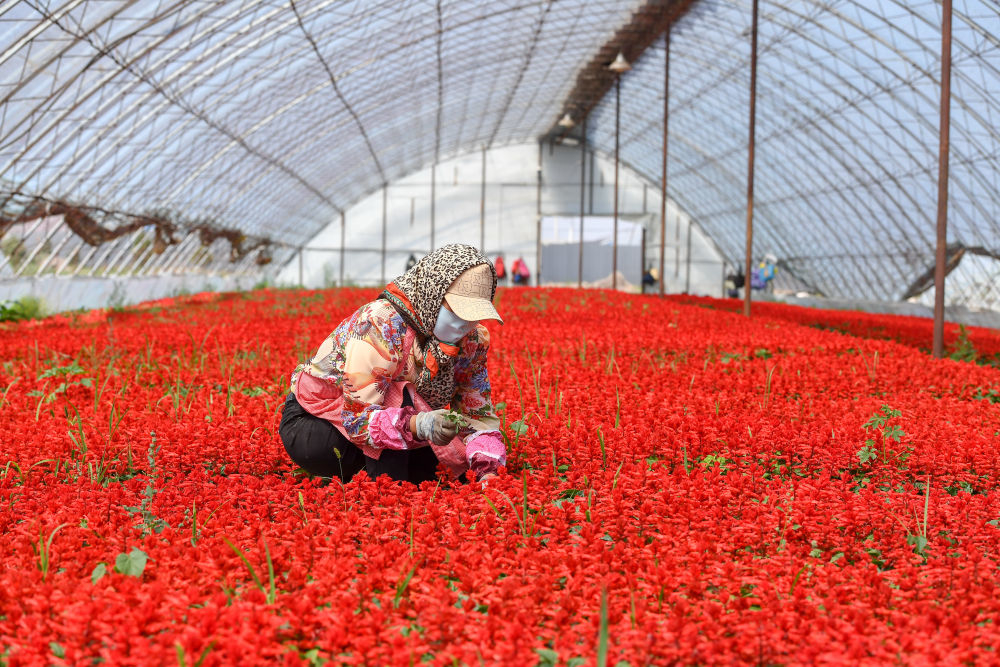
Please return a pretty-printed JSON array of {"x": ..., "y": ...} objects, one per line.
[{"x": 502, "y": 216}]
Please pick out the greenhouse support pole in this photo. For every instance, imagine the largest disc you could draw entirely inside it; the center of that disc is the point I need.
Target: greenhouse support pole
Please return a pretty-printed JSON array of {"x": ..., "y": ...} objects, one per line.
[
  {"x": 482, "y": 208},
  {"x": 663, "y": 181},
  {"x": 687, "y": 274},
  {"x": 538, "y": 220},
  {"x": 343, "y": 227},
  {"x": 614, "y": 240},
  {"x": 301, "y": 250},
  {"x": 642, "y": 261},
  {"x": 583, "y": 189},
  {"x": 753, "y": 116},
  {"x": 433, "y": 184},
  {"x": 591, "y": 205},
  {"x": 385, "y": 223},
  {"x": 942, "y": 204}
]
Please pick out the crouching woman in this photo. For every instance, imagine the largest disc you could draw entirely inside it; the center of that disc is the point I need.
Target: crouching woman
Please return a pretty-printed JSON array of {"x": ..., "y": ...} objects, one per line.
[{"x": 377, "y": 393}]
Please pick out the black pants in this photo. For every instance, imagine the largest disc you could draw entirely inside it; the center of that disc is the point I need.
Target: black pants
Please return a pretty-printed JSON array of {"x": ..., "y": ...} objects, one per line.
[{"x": 317, "y": 446}]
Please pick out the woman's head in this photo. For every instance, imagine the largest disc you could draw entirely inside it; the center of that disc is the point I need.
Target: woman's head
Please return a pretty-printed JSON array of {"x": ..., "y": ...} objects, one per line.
[
  {"x": 470, "y": 295},
  {"x": 456, "y": 274}
]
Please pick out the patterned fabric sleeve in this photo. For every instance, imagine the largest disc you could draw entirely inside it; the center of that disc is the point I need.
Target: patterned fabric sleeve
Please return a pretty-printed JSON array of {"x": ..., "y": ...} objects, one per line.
[
  {"x": 472, "y": 385},
  {"x": 373, "y": 356},
  {"x": 485, "y": 447}
]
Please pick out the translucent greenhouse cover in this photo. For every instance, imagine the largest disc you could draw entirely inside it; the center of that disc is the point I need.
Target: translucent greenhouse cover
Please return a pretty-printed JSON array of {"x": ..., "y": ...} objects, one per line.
[
  {"x": 847, "y": 118},
  {"x": 255, "y": 124}
]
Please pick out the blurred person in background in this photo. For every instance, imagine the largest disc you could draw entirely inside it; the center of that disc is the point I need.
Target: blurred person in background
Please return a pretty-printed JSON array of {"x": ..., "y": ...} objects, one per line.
[
  {"x": 519, "y": 272},
  {"x": 376, "y": 395},
  {"x": 650, "y": 278},
  {"x": 763, "y": 276},
  {"x": 501, "y": 270}
]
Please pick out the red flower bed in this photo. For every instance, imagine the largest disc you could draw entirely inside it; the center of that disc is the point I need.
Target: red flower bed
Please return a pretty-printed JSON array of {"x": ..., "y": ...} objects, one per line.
[
  {"x": 914, "y": 331},
  {"x": 685, "y": 486}
]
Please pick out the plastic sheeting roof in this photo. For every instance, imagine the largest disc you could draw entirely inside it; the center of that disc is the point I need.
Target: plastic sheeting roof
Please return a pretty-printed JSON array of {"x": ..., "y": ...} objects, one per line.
[
  {"x": 272, "y": 117},
  {"x": 846, "y": 166}
]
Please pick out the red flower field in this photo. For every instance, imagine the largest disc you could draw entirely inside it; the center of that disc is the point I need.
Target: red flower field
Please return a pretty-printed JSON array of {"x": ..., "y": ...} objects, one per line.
[{"x": 684, "y": 486}]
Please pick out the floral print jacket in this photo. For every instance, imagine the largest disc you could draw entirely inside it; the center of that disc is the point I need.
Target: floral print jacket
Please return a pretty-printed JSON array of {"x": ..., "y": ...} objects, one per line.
[{"x": 357, "y": 377}]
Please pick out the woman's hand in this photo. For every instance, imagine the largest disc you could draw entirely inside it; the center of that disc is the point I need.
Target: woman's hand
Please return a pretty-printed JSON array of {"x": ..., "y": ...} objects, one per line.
[
  {"x": 435, "y": 427},
  {"x": 486, "y": 478}
]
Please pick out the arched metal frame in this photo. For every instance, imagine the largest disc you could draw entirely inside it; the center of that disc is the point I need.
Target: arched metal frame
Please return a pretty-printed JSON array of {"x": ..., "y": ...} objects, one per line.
[
  {"x": 846, "y": 150},
  {"x": 270, "y": 119},
  {"x": 274, "y": 119}
]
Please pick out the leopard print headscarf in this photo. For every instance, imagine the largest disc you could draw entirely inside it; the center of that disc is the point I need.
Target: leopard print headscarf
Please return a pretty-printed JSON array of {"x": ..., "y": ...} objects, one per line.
[{"x": 417, "y": 295}]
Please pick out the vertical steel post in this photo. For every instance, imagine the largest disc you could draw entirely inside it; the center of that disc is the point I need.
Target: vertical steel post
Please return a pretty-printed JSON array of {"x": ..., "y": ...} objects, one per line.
[
  {"x": 663, "y": 181},
  {"x": 538, "y": 221},
  {"x": 385, "y": 223},
  {"x": 301, "y": 250},
  {"x": 482, "y": 208},
  {"x": 642, "y": 265},
  {"x": 343, "y": 227},
  {"x": 614, "y": 240},
  {"x": 687, "y": 274},
  {"x": 433, "y": 185},
  {"x": 590, "y": 208},
  {"x": 583, "y": 188},
  {"x": 942, "y": 203},
  {"x": 753, "y": 117}
]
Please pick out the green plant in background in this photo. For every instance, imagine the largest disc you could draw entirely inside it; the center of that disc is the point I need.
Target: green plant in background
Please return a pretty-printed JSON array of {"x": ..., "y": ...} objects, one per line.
[
  {"x": 26, "y": 308},
  {"x": 878, "y": 424},
  {"x": 963, "y": 350},
  {"x": 150, "y": 522},
  {"x": 69, "y": 376}
]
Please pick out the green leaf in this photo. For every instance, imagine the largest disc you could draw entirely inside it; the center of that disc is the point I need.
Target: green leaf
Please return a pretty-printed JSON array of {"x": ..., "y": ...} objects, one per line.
[
  {"x": 456, "y": 418},
  {"x": 893, "y": 432},
  {"x": 131, "y": 564},
  {"x": 876, "y": 421},
  {"x": 547, "y": 657},
  {"x": 57, "y": 650},
  {"x": 72, "y": 369},
  {"x": 918, "y": 542},
  {"x": 98, "y": 572}
]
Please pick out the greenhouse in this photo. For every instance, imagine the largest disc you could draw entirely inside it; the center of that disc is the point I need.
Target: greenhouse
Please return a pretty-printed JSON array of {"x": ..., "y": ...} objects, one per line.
[
  {"x": 734, "y": 265},
  {"x": 155, "y": 149}
]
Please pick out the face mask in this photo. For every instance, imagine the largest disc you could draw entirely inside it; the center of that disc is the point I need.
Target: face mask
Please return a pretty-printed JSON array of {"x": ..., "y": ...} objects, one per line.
[{"x": 451, "y": 328}]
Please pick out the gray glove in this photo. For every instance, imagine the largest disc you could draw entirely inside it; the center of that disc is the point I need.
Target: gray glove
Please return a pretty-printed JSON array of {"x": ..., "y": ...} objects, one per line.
[{"x": 435, "y": 427}]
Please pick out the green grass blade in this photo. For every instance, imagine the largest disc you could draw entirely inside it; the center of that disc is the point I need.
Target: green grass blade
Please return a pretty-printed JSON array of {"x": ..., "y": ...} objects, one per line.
[
  {"x": 243, "y": 557},
  {"x": 602, "y": 636}
]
